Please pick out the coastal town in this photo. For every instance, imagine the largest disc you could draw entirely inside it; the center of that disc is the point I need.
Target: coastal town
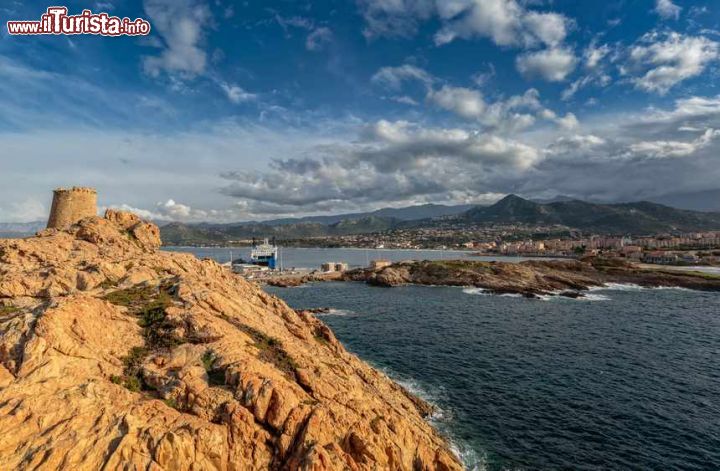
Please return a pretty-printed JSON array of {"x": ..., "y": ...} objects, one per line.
[{"x": 694, "y": 248}]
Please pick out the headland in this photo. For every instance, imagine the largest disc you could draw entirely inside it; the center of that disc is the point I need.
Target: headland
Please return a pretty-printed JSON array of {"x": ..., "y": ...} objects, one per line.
[{"x": 116, "y": 355}]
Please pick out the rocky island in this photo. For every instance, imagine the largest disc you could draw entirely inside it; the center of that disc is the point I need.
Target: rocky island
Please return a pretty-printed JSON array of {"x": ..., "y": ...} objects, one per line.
[
  {"x": 115, "y": 355},
  {"x": 533, "y": 278}
]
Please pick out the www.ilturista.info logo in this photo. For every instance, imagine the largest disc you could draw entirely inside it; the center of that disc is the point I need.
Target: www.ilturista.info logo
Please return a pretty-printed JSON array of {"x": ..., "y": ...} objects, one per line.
[{"x": 57, "y": 21}]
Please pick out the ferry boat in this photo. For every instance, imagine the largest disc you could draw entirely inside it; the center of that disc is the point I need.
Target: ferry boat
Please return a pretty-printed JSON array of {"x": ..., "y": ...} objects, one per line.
[{"x": 265, "y": 254}]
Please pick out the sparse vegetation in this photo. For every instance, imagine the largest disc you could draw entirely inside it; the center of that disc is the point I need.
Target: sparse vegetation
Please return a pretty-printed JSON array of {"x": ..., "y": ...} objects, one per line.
[
  {"x": 132, "y": 370},
  {"x": 271, "y": 350},
  {"x": 133, "y": 384},
  {"x": 7, "y": 310},
  {"x": 132, "y": 298},
  {"x": 149, "y": 303},
  {"x": 320, "y": 339},
  {"x": 208, "y": 360},
  {"x": 216, "y": 376},
  {"x": 171, "y": 402},
  {"x": 108, "y": 284}
]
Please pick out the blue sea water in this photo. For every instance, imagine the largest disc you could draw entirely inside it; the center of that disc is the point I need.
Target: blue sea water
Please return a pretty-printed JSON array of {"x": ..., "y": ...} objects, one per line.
[
  {"x": 312, "y": 258},
  {"x": 627, "y": 380}
]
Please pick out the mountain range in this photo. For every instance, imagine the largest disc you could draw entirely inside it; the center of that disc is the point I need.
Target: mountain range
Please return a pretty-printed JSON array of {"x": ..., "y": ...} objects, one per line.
[
  {"x": 20, "y": 229},
  {"x": 622, "y": 218}
]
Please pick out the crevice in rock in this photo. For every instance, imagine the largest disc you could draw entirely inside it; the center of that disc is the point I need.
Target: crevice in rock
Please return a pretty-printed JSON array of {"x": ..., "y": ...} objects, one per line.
[{"x": 297, "y": 441}]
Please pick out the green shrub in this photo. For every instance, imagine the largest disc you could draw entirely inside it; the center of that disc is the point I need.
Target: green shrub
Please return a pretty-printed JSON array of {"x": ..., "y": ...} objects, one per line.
[
  {"x": 7, "y": 310},
  {"x": 133, "y": 384},
  {"x": 271, "y": 350},
  {"x": 216, "y": 376}
]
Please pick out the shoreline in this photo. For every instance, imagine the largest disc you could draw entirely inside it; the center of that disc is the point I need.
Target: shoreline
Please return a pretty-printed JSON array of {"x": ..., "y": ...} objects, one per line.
[{"x": 531, "y": 279}]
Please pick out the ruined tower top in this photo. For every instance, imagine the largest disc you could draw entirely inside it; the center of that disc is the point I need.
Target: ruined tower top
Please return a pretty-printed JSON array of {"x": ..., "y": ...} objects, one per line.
[{"x": 70, "y": 205}]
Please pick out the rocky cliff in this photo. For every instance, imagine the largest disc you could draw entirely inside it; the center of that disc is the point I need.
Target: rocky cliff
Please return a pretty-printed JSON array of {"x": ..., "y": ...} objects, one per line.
[{"x": 115, "y": 355}]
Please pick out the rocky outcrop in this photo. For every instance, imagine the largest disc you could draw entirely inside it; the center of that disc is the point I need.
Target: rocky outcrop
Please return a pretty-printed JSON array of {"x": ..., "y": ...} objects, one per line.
[
  {"x": 531, "y": 278},
  {"x": 283, "y": 281},
  {"x": 115, "y": 355}
]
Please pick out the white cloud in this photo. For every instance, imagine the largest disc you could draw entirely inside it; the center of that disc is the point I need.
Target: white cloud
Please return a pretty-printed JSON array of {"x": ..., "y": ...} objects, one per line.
[
  {"x": 463, "y": 101},
  {"x": 318, "y": 39},
  {"x": 576, "y": 143},
  {"x": 169, "y": 210},
  {"x": 181, "y": 25},
  {"x": 509, "y": 115},
  {"x": 662, "y": 61},
  {"x": 236, "y": 94},
  {"x": 594, "y": 54},
  {"x": 393, "y": 162},
  {"x": 505, "y": 22},
  {"x": 667, "y": 9},
  {"x": 394, "y": 77},
  {"x": 27, "y": 210},
  {"x": 670, "y": 149},
  {"x": 553, "y": 65},
  {"x": 405, "y": 100},
  {"x": 619, "y": 157},
  {"x": 394, "y": 18},
  {"x": 687, "y": 110},
  {"x": 595, "y": 68},
  {"x": 568, "y": 122},
  {"x": 548, "y": 28}
]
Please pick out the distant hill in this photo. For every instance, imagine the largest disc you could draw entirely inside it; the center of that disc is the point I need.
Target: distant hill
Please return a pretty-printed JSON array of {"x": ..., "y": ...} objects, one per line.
[
  {"x": 178, "y": 233},
  {"x": 410, "y": 213},
  {"x": 9, "y": 230},
  {"x": 697, "y": 201},
  {"x": 624, "y": 218},
  {"x": 310, "y": 226}
]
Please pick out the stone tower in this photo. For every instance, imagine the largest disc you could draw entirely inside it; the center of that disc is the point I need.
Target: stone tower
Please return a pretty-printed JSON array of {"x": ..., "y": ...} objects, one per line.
[{"x": 71, "y": 205}]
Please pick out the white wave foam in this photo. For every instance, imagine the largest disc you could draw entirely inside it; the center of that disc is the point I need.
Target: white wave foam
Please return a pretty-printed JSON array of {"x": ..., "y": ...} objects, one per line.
[
  {"x": 675, "y": 288},
  {"x": 484, "y": 292},
  {"x": 583, "y": 297},
  {"x": 441, "y": 419},
  {"x": 337, "y": 312},
  {"x": 477, "y": 291},
  {"x": 634, "y": 287},
  {"x": 617, "y": 287},
  {"x": 541, "y": 297}
]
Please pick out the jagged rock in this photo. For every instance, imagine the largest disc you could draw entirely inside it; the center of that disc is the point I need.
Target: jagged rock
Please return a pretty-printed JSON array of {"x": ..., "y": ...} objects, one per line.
[{"x": 115, "y": 355}]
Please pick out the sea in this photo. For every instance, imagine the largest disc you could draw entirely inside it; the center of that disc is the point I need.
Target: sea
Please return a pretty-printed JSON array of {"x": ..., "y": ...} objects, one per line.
[
  {"x": 312, "y": 258},
  {"x": 628, "y": 378}
]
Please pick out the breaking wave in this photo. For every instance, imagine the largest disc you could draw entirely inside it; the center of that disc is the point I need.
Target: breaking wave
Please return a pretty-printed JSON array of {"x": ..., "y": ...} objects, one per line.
[
  {"x": 441, "y": 419},
  {"x": 541, "y": 297},
  {"x": 484, "y": 292},
  {"x": 337, "y": 312},
  {"x": 634, "y": 287}
]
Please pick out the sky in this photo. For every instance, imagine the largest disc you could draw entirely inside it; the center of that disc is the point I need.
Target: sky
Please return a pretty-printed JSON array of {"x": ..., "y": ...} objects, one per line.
[{"x": 242, "y": 110}]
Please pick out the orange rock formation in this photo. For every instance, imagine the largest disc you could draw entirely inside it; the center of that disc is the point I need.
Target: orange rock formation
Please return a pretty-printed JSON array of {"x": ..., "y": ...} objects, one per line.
[{"x": 115, "y": 355}]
